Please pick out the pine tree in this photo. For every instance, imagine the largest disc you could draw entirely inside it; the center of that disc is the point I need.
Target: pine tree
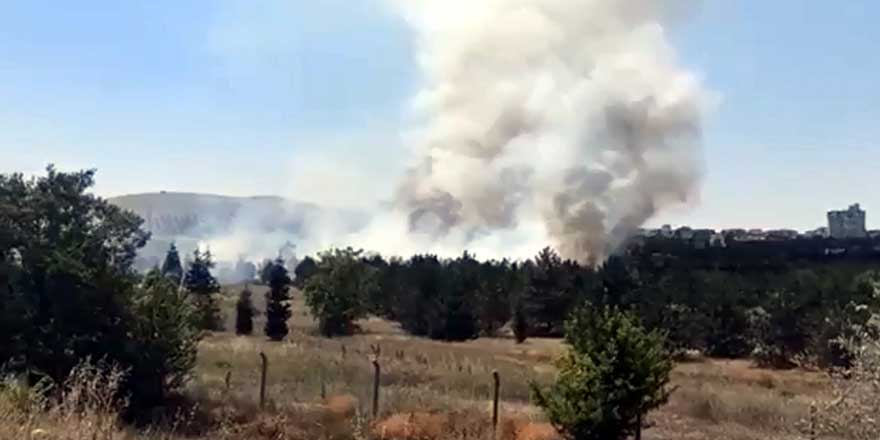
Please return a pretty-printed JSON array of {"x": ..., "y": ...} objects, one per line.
[
  {"x": 549, "y": 293},
  {"x": 244, "y": 313},
  {"x": 203, "y": 286},
  {"x": 277, "y": 301},
  {"x": 454, "y": 318},
  {"x": 613, "y": 373},
  {"x": 171, "y": 267},
  {"x": 458, "y": 322}
]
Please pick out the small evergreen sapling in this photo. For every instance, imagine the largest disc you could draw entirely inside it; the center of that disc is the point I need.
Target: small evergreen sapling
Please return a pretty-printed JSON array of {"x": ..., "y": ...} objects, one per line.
[
  {"x": 277, "y": 302},
  {"x": 614, "y": 372},
  {"x": 244, "y": 313},
  {"x": 203, "y": 286}
]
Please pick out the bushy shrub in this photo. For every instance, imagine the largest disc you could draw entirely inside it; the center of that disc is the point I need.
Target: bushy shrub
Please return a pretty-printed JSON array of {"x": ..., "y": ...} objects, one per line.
[
  {"x": 613, "y": 372},
  {"x": 163, "y": 340},
  {"x": 337, "y": 291}
]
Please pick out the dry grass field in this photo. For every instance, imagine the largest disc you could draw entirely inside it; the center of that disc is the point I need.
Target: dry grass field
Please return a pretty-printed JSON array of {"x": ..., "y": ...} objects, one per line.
[{"x": 321, "y": 389}]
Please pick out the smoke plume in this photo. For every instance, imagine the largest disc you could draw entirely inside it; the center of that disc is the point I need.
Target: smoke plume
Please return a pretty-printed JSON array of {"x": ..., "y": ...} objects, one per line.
[{"x": 564, "y": 121}]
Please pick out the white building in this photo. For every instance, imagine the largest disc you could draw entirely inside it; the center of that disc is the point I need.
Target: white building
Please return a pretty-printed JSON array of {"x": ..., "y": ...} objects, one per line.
[{"x": 847, "y": 224}]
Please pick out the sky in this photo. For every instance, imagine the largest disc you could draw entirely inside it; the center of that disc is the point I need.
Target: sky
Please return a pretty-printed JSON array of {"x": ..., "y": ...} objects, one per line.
[{"x": 246, "y": 97}]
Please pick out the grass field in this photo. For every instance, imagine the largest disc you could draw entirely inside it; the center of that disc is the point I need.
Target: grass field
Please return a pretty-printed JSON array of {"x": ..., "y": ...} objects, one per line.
[
  {"x": 321, "y": 389},
  {"x": 714, "y": 399}
]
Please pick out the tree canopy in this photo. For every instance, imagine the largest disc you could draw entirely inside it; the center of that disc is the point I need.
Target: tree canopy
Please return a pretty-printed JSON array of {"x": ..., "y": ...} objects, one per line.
[{"x": 68, "y": 290}]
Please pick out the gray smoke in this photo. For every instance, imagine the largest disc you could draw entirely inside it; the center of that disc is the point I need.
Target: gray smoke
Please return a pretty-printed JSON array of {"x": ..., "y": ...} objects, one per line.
[{"x": 561, "y": 121}]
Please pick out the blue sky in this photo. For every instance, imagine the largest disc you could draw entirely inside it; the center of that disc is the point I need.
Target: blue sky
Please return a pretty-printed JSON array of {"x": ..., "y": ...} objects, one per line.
[{"x": 250, "y": 97}]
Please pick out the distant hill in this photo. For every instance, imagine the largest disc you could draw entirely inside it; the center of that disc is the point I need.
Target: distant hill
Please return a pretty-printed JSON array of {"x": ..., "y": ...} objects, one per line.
[{"x": 170, "y": 214}]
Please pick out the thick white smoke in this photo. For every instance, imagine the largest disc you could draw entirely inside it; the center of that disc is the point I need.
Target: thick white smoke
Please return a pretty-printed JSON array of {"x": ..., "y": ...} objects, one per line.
[{"x": 561, "y": 122}]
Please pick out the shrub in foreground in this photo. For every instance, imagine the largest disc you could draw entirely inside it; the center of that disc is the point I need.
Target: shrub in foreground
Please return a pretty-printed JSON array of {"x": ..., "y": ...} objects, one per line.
[{"x": 613, "y": 372}]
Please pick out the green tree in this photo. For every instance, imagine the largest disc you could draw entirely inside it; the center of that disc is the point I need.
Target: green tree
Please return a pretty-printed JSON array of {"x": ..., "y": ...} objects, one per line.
[
  {"x": 165, "y": 341},
  {"x": 337, "y": 292},
  {"x": 203, "y": 286},
  {"x": 423, "y": 281},
  {"x": 244, "y": 313},
  {"x": 171, "y": 267},
  {"x": 278, "y": 302},
  {"x": 453, "y": 317},
  {"x": 384, "y": 299},
  {"x": 618, "y": 282},
  {"x": 68, "y": 290},
  {"x": 305, "y": 269},
  {"x": 496, "y": 279},
  {"x": 614, "y": 372},
  {"x": 549, "y": 294}
]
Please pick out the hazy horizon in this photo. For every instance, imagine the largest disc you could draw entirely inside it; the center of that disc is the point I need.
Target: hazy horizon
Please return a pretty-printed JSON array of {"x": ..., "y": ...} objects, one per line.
[{"x": 239, "y": 100}]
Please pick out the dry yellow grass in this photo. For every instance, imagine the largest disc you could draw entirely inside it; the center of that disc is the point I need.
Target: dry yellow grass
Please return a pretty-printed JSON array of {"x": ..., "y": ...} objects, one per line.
[{"x": 433, "y": 390}]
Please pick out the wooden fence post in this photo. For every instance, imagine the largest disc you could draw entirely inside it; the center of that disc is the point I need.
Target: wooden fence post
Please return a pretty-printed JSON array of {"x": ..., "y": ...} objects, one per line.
[
  {"x": 376, "y": 373},
  {"x": 323, "y": 386},
  {"x": 263, "y": 380},
  {"x": 639, "y": 426},
  {"x": 497, "y": 386}
]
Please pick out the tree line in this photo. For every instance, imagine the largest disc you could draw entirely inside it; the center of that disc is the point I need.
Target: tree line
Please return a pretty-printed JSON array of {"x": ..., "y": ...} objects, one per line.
[{"x": 780, "y": 312}]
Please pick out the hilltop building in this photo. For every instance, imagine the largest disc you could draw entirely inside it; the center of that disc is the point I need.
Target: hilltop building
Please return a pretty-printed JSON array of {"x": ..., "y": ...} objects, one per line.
[{"x": 847, "y": 224}]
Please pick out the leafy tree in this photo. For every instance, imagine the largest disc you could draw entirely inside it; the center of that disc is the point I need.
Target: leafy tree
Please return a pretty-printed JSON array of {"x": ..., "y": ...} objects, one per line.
[
  {"x": 203, "y": 286},
  {"x": 165, "y": 341},
  {"x": 244, "y": 313},
  {"x": 171, "y": 267},
  {"x": 68, "y": 290},
  {"x": 304, "y": 270},
  {"x": 613, "y": 372},
  {"x": 337, "y": 292},
  {"x": 779, "y": 329},
  {"x": 728, "y": 335},
  {"x": 278, "y": 302}
]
